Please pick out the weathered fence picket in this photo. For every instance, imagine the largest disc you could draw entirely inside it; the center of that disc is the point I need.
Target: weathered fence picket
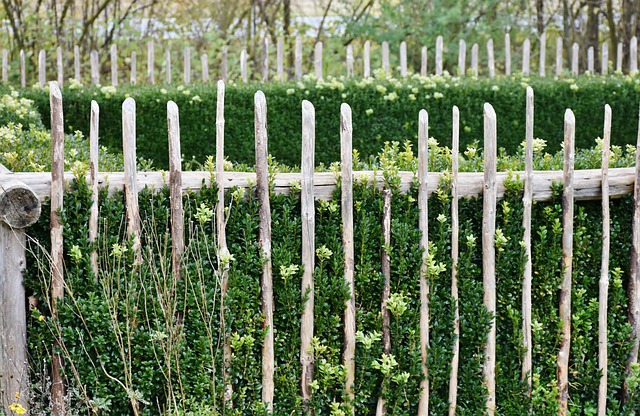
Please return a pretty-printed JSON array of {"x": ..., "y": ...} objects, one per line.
[
  {"x": 558, "y": 56},
  {"x": 567, "y": 263},
  {"x": 385, "y": 57},
  {"x": 462, "y": 57},
  {"x": 527, "y": 199},
  {"x": 265, "y": 60},
  {"x": 366, "y": 60},
  {"x": 134, "y": 65},
  {"x": 131, "y": 174},
  {"x": 264, "y": 244},
  {"x": 60, "y": 66},
  {"x": 114, "y": 65},
  {"x": 423, "y": 62},
  {"x": 93, "y": 182},
  {"x": 23, "y": 70},
  {"x": 439, "y": 52},
  {"x": 385, "y": 266},
  {"x": 167, "y": 67},
  {"x": 204, "y": 67},
  {"x": 575, "y": 50},
  {"x": 543, "y": 55},
  {"x": 95, "y": 67},
  {"x": 317, "y": 60},
  {"x": 423, "y": 224},
  {"x": 526, "y": 52},
  {"x": 42, "y": 68},
  {"x": 488, "y": 250},
  {"x": 455, "y": 356},
  {"x": 175, "y": 190},
  {"x": 186, "y": 66},
  {"x": 151, "y": 62},
  {"x": 507, "y": 54},
  {"x": 76, "y": 63}
]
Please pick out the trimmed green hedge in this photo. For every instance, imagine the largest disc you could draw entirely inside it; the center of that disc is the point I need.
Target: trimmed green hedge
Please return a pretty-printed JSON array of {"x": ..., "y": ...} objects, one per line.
[{"x": 383, "y": 110}]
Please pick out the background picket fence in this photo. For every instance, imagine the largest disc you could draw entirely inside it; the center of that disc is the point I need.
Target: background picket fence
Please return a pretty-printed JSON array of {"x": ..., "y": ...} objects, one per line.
[
  {"x": 600, "y": 184},
  {"x": 482, "y": 63}
]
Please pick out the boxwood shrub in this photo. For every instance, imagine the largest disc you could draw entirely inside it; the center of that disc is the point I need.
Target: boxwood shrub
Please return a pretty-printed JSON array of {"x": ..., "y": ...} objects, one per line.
[{"x": 384, "y": 109}]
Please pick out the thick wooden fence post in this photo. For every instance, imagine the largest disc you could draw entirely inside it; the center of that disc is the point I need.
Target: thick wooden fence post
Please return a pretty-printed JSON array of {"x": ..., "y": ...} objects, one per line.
[
  {"x": 317, "y": 60},
  {"x": 346, "y": 131},
  {"x": 93, "y": 182},
  {"x": 58, "y": 407},
  {"x": 462, "y": 58},
  {"x": 603, "y": 362},
  {"x": 633, "y": 291},
  {"x": 134, "y": 65},
  {"x": 366, "y": 58},
  {"x": 439, "y": 52},
  {"x": 488, "y": 251},
  {"x": 455, "y": 359},
  {"x": 474, "y": 59},
  {"x": 385, "y": 58},
  {"x": 60, "y": 65},
  {"x": 543, "y": 55},
  {"x": 223, "y": 251},
  {"x": 507, "y": 54},
  {"x": 307, "y": 212},
  {"x": 151, "y": 56},
  {"x": 19, "y": 208},
  {"x": 175, "y": 190},
  {"x": 114, "y": 65},
  {"x": 604, "y": 59},
  {"x": 403, "y": 59},
  {"x": 526, "y": 57},
  {"x": 527, "y": 199},
  {"x": 131, "y": 174},
  {"x": 423, "y": 224},
  {"x": 95, "y": 67},
  {"x": 558, "y": 56},
  {"x": 186, "y": 66},
  {"x": 42, "y": 68},
  {"x": 264, "y": 244},
  {"x": 280, "y": 58},
  {"x": 167, "y": 67},
  {"x": 490, "y": 59},
  {"x": 567, "y": 264}
]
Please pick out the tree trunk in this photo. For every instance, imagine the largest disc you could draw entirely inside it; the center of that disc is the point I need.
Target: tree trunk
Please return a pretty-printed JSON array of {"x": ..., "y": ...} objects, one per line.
[{"x": 540, "y": 15}]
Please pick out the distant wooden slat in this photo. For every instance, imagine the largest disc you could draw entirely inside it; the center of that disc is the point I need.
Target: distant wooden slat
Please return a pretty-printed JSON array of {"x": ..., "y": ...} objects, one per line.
[
  {"x": 526, "y": 56},
  {"x": 204, "y": 66},
  {"x": 474, "y": 60},
  {"x": 280, "y": 58},
  {"x": 567, "y": 264},
  {"x": 133, "y": 76},
  {"x": 265, "y": 60},
  {"x": 243, "y": 65},
  {"x": 590, "y": 60},
  {"x": 307, "y": 213},
  {"x": 462, "y": 58},
  {"x": 385, "y": 57},
  {"x": 95, "y": 67},
  {"x": 23, "y": 70},
  {"x": 575, "y": 51},
  {"x": 186, "y": 71},
  {"x": 317, "y": 60},
  {"x": 423, "y": 62},
  {"x": 605, "y": 59},
  {"x": 264, "y": 244},
  {"x": 167, "y": 66},
  {"x": 175, "y": 190},
  {"x": 60, "y": 65},
  {"x": 114, "y": 65},
  {"x": 633, "y": 54},
  {"x": 403, "y": 59},
  {"x": 151, "y": 78},
  {"x": 543, "y": 55},
  {"x": 507, "y": 54},
  {"x": 298, "y": 58},
  {"x": 366, "y": 60},
  {"x": 488, "y": 251},
  {"x": 619, "y": 56},
  {"x": 490, "y": 59},
  {"x": 76, "y": 63},
  {"x": 223, "y": 64},
  {"x": 42, "y": 68},
  {"x": 558, "y": 56},
  {"x": 350, "y": 61},
  {"x": 603, "y": 295},
  {"x": 423, "y": 224},
  {"x": 439, "y": 53}
]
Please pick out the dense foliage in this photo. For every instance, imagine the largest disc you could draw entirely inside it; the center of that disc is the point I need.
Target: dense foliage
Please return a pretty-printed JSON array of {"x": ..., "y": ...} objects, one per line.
[
  {"x": 384, "y": 109},
  {"x": 135, "y": 337}
]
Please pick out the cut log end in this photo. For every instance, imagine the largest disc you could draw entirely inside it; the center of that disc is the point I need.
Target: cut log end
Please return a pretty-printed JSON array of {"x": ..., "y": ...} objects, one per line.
[{"x": 19, "y": 206}]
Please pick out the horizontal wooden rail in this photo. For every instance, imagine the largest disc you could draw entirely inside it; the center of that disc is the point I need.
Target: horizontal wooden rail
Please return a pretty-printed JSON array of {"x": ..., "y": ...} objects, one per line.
[{"x": 587, "y": 183}]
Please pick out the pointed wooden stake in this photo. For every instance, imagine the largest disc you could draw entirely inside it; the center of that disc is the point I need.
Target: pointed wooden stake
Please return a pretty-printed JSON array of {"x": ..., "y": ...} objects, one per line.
[
  {"x": 507, "y": 54},
  {"x": 455, "y": 359},
  {"x": 462, "y": 58},
  {"x": 527, "y": 340},
  {"x": 93, "y": 173},
  {"x": 423, "y": 224},
  {"x": 543, "y": 55}
]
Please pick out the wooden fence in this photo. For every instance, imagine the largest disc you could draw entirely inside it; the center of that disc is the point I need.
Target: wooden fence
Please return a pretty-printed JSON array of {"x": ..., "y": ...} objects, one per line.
[
  {"x": 600, "y": 184},
  {"x": 265, "y": 72}
]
